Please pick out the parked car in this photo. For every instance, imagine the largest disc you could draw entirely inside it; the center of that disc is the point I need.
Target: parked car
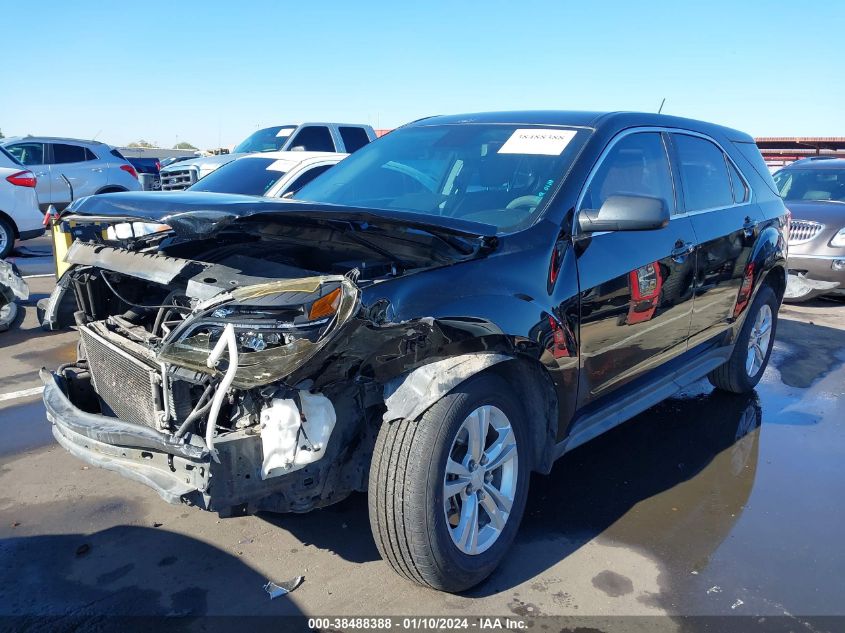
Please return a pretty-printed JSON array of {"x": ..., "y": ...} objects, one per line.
[
  {"x": 20, "y": 217},
  {"x": 814, "y": 192},
  {"x": 148, "y": 172},
  {"x": 448, "y": 312},
  {"x": 68, "y": 168},
  {"x": 310, "y": 137},
  {"x": 272, "y": 174}
]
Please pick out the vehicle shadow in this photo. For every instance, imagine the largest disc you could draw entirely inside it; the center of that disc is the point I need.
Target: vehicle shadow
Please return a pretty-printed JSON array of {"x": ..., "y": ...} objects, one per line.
[
  {"x": 712, "y": 438},
  {"x": 131, "y": 578},
  {"x": 342, "y": 528}
]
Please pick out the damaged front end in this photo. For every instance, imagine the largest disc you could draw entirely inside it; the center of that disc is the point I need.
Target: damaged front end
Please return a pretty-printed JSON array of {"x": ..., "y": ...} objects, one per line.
[
  {"x": 224, "y": 369},
  {"x": 199, "y": 404}
]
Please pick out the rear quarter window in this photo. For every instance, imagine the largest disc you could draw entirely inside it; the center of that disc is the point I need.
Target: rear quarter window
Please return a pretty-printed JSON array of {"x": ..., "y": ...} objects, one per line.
[{"x": 751, "y": 153}]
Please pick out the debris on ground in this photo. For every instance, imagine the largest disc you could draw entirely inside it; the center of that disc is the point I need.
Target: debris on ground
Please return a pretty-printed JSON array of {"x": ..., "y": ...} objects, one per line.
[{"x": 282, "y": 588}]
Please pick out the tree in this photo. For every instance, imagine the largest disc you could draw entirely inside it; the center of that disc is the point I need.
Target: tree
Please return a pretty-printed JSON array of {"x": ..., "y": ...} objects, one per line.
[
  {"x": 1, "y": 134},
  {"x": 141, "y": 143},
  {"x": 183, "y": 145}
]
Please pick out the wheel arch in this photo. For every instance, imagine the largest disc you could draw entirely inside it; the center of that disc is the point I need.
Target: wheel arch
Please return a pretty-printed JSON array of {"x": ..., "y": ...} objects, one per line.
[
  {"x": 8, "y": 218},
  {"x": 110, "y": 189},
  {"x": 412, "y": 394}
]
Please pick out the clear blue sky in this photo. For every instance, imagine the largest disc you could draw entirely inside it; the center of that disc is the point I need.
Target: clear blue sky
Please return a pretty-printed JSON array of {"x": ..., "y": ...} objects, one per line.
[{"x": 212, "y": 71}]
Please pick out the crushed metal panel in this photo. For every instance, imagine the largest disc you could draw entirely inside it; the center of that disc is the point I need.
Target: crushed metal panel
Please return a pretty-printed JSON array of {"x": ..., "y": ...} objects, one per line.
[{"x": 408, "y": 396}]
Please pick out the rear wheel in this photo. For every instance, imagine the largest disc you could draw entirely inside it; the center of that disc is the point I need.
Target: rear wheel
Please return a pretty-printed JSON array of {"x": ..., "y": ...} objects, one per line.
[
  {"x": 753, "y": 346},
  {"x": 7, "y": 238},
  {"x": 447, "y": 491}
]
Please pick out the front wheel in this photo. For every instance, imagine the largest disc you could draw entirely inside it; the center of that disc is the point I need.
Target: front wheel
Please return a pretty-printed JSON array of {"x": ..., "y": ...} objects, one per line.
[
  {"x": 753, "y": 346},
  {"x": 7, "y": 238},
  {"x": 447, "y": 491}
]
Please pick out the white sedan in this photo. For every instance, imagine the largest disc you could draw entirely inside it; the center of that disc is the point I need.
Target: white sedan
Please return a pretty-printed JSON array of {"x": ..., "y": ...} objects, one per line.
[
  {"x": 270, "y": 174},
  {"x": 20, "y": 217}
]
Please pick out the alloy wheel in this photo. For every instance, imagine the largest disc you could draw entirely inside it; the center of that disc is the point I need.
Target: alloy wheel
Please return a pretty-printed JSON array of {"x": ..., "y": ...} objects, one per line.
[
  {"x": 480, "y": 481},
  {"x": 758, "y": 341}
]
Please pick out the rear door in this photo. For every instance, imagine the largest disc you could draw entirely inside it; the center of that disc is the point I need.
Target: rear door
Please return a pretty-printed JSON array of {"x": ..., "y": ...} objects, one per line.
[
  {"x": 32, "y": 154},
  {"x": 717, "y": 199},
  {"x": 636, "y": 286},
  {"x": 80, "y": 166}
]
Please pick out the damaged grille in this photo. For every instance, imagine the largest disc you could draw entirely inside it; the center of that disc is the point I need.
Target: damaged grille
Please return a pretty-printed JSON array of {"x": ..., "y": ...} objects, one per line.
[
  {"x": 128, "y": 386},
  {"x": 801, "y": 231}
]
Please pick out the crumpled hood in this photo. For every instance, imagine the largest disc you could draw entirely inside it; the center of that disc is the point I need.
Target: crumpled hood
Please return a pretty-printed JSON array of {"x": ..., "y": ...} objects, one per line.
[{"x": 203, "y": 214}]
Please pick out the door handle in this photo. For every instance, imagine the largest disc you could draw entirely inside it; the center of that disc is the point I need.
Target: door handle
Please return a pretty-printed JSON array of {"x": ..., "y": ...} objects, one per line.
[
  {"x": 682, "y": 250},
  {"x": 97, "y": 169},
  {"x": 748, "y": 227}
]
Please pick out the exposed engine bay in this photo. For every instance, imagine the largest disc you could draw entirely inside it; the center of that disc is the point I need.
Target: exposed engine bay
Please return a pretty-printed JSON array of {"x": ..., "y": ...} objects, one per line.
[{"x": 243, "y": 353}]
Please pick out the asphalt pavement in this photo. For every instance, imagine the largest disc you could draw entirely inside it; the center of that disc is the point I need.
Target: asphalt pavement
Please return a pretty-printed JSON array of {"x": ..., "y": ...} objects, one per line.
[{"x": 707, "y": 504}]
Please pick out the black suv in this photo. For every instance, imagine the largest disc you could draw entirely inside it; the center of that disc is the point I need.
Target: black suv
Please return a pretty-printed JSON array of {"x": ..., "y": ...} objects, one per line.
[{"x": 454, "y": 306}]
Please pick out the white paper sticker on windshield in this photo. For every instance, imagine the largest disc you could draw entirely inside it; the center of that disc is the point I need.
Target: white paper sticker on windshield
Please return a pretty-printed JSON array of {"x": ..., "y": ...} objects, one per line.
[
  {"x": 278, "y": 165},
  {"x": 285, "y": 132},
  {"x": 537, "y": 141}
]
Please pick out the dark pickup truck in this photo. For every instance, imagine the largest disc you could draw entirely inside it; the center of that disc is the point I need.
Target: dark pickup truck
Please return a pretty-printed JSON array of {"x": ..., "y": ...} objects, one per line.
[{"x": 452, "y": 307}]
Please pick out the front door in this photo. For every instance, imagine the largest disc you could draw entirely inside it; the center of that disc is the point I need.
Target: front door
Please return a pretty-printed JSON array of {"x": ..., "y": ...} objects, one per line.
[
  {"x": 636, "y": 286},
  {"x": 717, "y": 200}
]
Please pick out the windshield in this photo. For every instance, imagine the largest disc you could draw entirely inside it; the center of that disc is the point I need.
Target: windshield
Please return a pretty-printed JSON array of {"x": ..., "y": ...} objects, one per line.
[
  {"x": 492, "y": 173},
  {"x": 250, "y": 176},
  {"x": 811, "y": 184},
  {"x": 269, "y": 139}
]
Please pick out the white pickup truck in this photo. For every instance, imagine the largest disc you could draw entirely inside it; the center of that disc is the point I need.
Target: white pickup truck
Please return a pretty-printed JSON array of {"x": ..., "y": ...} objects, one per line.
[{"x": 314, "y": 137}]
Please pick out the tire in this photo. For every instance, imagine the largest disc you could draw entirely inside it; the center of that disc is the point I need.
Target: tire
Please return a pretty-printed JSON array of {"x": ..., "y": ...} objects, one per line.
[
  {"x": 407, "y": 487},
  {"x": 738, "y": 375},
  {"x": 7, "y": 238}
]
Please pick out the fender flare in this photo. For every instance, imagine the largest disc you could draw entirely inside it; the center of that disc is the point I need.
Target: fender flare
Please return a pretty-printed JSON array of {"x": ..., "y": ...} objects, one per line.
[{"x": 410, "y": 395}]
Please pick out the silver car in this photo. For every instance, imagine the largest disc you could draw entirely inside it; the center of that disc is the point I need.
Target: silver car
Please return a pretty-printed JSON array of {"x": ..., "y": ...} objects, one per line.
[{"x": 68, "y": 168}]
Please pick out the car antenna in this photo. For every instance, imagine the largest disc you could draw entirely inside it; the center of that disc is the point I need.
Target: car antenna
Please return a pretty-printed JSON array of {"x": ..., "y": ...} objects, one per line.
[{"x": 660, "y": 109}]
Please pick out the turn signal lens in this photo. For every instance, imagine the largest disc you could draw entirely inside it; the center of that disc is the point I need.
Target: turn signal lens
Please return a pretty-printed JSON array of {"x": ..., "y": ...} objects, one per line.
[{"x": 325, "y": 306}]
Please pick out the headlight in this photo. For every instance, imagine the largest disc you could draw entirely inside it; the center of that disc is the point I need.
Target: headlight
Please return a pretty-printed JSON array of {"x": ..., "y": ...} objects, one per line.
[
  {"x": 838, "y": 239},
  {"x": 278, "y": 326}
]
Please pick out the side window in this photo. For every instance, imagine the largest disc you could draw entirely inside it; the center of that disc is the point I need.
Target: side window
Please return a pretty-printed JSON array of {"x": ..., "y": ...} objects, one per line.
[
  {"x": 704, "y": 173},
  {"x": 314, "y": 138},
  {"x": 89, "y": 155},
  {"x": 63, "y": 153},
  {"x": 354, "y": 138},
  {"x": 738, "y": 185},
  {"x": 304, "y": 179},
  {"x": 636, "y": 165},
  {"x": 28, "y": 153}
]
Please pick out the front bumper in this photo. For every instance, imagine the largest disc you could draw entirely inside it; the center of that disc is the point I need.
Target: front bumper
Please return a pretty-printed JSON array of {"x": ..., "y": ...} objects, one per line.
[
  {"x": 820, "y": 267},
  {"x": 177, "y": 471},
  {"x": 182, "y": 471}
]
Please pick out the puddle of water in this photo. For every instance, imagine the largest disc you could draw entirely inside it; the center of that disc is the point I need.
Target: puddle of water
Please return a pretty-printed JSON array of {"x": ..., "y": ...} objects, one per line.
[{"x": 24, "y": 427}]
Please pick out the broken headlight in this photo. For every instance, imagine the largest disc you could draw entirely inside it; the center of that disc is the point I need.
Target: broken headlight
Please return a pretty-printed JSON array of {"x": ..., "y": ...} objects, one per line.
[{"x": 278, "y": 326}]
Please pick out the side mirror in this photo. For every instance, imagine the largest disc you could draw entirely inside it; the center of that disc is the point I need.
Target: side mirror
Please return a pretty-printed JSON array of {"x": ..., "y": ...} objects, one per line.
[{"x": 625, "y": 213}]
